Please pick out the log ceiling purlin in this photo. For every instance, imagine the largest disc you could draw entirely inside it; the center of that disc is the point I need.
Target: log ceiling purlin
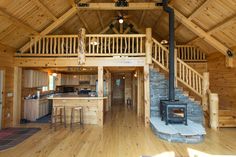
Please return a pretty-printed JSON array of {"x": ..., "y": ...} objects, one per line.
[{"x": 100, "y": 14}]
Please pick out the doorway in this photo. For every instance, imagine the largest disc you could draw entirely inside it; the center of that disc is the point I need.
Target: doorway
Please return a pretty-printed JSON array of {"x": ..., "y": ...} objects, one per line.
[
  {"x": 118, "y": 89},
  {"x": 1, "y": 95}
]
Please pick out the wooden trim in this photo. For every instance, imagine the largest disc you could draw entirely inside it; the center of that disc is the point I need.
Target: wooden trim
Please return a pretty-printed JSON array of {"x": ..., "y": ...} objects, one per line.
[
  {"x": 90, "y": 62},
  {"x": 17, "y": 22},
  {"x": 111, "y": 6},
  {"x": 53, "y": 26}
]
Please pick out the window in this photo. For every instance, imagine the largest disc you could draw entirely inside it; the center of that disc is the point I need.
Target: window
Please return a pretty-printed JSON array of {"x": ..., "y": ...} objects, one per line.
[
  {"x": 52, "y": 84},
  {"x": 45, "y": 88},
  {"x": 117, "y": 82}
]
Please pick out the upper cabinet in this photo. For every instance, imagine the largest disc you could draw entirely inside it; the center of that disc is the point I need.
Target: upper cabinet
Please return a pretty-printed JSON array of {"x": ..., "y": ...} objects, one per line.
[
  {"x": 69, "y": 80},
  {"x": 33, "y": 78}
]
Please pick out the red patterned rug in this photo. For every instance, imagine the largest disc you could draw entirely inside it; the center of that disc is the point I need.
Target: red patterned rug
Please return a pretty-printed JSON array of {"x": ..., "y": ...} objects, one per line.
[{"x": 10, "y": 137}]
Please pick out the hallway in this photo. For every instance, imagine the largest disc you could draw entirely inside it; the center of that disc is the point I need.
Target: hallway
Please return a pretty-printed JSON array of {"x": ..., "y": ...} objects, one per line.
[{"x": 123, "y": 135}]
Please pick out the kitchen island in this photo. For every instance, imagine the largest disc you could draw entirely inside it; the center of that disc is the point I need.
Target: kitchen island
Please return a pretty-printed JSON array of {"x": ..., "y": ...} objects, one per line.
[{"x": 93, "y": 107}]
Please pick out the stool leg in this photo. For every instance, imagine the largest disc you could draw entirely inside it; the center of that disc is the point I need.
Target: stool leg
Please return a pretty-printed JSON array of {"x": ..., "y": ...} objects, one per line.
[
  {"x": 71, "y": 118},
  {"x": 60, "y": 115},
  {"x": 52, "y": 118},
  {"x": 64, "y": 116},
  {"x": 55, "y": 119},
  {"x": 81, "y": 118}
]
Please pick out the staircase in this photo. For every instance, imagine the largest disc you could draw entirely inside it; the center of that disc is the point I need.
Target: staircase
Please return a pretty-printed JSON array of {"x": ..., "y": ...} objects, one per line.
[{"x": 190, "y": 78}]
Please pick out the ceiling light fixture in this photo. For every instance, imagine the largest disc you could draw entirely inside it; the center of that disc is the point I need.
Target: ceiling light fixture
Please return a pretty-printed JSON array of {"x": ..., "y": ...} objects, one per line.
[
  {"x": 54, "y": 74},
  {"x": 121, "y": 20},
  {"x": 164, "y": 42}
]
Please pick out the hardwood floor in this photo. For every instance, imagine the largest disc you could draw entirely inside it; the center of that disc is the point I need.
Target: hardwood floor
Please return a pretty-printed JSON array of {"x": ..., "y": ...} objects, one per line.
[{"x": 123, "y": 135}]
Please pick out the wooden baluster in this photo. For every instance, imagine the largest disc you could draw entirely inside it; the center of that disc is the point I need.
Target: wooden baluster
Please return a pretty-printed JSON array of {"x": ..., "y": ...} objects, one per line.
[
  {"x": 70, "y": 45},
  {"x": 93, "y": 48},
  {"x": 180, "y": 71},
  {"x": 117, "y": 45},
  {"x": 159, "y": 54},
  {"x": 62, "y": 45},
  {"x": 141, "y": 45},
  {"x": 102, "y": 45},
  {"x": 137, "y": 45},
  {"x": 109, "y": 45},
  {"x": 39, "y": 46},
  {"x": 190, "y": 78},
  {"x": 162, "y": 57},
  {"x": 89, "y": 45},
  {"x": 105, "y": 45},
  {"x": 113, "y": 45},
  {"x": 129, "y": 45},
  {"x": 121, "y": 45},
  {"x": 200, "y": 85},
  {"x": 196, "y": 80},
  {"x": 35, "y": 44},
  {"x": 51, "y": 44},
  {"x": 183, "y": 72},
  {"x": 67, "y": 45},
  {"x": 47, "y": 44},
  {"x": 59, "y": 45},
  {"x": 31, "y": 38},
  {"x": 155, "y": 51},
  {"x": 167, "y": 59},
  {"x": 195, "y": 85},
  {"x": 125, "y": 45},
  {"x": 74, "y": 45},
  {"x": 97, "y": 46},
  {"x": 133, "y": 45},
  {"x": 187, "y": 76}
]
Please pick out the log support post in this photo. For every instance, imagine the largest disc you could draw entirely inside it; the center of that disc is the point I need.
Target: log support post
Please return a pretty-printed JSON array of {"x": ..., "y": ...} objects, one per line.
[
  {"x": 214, "y": 109},
  {"x": 82, "y": 47},
  {"x": 100, "y": 94},
  {"x": 146, "y": 95},
  {"x": 205, "y": 88},
  {"x": 139, "y": 93},
  {"x": 17, "y": 95},
  {"x": 148, "y": 45}
]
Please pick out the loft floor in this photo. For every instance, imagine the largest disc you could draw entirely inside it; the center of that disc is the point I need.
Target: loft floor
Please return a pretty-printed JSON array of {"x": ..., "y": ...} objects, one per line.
[{"x": 123, "y": 135}]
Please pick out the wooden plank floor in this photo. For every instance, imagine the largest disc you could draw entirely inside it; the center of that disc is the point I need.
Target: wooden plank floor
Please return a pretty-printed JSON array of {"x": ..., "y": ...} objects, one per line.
[{"x": 123, "y": 135}]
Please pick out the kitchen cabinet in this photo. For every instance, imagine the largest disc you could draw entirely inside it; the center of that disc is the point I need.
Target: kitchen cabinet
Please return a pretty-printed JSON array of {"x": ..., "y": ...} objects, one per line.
[
  {"x": 84, "y": 77},
  {"x": 69, "y": 79},
  {"x": 33, "y": 78},
  {"x": 35, "y": 108},
  {"x": 93, "y": 79}
]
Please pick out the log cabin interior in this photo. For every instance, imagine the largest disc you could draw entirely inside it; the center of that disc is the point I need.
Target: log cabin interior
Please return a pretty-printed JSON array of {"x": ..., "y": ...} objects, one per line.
[{"x": 121, "y": 78}]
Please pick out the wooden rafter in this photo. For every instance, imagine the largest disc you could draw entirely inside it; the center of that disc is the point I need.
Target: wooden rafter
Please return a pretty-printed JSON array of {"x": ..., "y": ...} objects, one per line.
[
  {"x": 100, "y": 19},
  {"x": 111, "y": 6},
  {"x": 45, "y": 9},
  {"x": 227, "y": 22},
  {"x": 142, "y": 17},
  {"x": 53, "y": 26},
  {"x": 17, "y": 22},
  {"x": 201, "y": 33},
  {"x": 7, "y": 31},
  {"x": 108, "y": 27},
  {"x": 195, "y": 13}
]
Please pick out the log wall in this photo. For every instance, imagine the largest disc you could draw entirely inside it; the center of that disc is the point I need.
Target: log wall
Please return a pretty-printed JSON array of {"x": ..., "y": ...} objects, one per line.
[
  {"x": 222, "y": 81},
  {"x": 6, "y": 64}
]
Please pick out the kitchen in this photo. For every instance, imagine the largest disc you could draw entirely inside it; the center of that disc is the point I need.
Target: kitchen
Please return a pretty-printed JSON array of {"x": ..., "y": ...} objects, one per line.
[{"x": 45, "y": 88}]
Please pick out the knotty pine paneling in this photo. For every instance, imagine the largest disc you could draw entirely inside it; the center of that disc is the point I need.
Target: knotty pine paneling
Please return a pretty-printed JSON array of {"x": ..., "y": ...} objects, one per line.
[
  {"x": 222, "y": 81},
  {"x": 6, "y": 64}
]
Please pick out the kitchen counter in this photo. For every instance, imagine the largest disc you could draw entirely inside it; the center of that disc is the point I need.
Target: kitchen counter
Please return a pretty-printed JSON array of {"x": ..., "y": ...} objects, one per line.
[{"x": 93, "y": 107}]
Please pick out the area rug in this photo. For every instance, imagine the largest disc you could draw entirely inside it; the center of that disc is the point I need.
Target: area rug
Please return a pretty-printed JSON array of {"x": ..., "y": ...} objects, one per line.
[{"x": 10, "y": 137}]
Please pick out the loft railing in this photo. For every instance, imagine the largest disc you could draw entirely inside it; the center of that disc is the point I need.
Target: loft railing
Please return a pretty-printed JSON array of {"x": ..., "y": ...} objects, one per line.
[
  {"x": 115, "y": 44},
  {"x": 189, "y": 53},
  {"x": 184, "y": 73},
  {"x": 95, "y": 45}
]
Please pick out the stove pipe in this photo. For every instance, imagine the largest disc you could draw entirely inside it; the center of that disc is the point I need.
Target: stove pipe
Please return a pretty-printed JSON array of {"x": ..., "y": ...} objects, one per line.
[{"x": 171, "y": 13}]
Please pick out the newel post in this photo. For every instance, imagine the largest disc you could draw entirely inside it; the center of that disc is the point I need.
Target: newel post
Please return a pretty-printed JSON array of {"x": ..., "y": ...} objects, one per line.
[
  {"x": 148, "y": 45},
  {"x": 205, "y": 88},
  {"x": 82, "y": 46},
  {"x": 214, "y": 111}
]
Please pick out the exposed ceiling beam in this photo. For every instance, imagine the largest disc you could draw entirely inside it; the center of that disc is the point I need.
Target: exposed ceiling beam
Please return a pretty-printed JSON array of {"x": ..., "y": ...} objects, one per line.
[
  {"x": 100, "y": 19},
  {"x": 201, "y": 33},
  {"x": 7, "y": 31},
  {"x": 45, "y": 9},
  {"x": 195, "y": 13},
  {"x": 227, "y": 22},
  {"x": 142, "y": 18},
  {"x": 111, "y": 6},
  {"x": 53, "y": 26},
  {"x": 17, "y": 22}
]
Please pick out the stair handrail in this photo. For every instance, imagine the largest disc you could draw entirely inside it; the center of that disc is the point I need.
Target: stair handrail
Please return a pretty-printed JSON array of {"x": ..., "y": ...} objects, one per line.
[{"x": 184, "y": 73}]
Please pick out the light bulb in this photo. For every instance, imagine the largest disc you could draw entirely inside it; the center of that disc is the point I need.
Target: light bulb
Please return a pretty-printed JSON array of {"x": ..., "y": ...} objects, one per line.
[{"x": 121, "y": 20}]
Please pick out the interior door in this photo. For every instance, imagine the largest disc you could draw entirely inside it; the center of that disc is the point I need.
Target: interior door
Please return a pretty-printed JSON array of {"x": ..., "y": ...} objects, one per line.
[{"x": 1, "y": 96}]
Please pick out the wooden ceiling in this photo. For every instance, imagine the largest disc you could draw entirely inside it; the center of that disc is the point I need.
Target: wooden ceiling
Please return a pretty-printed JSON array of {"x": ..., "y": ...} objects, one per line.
[{"x": 22, "y": 18}]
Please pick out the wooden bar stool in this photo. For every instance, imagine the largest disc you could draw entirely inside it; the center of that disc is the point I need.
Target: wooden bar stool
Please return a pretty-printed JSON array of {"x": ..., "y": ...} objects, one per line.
[
  {"x": 55, "y": 115},
  {"x": 78, "y": 109}
]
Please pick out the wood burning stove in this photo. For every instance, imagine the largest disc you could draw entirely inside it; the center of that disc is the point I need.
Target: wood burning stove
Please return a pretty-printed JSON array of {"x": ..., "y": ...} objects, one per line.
[{"x": 173, "y": 112}]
